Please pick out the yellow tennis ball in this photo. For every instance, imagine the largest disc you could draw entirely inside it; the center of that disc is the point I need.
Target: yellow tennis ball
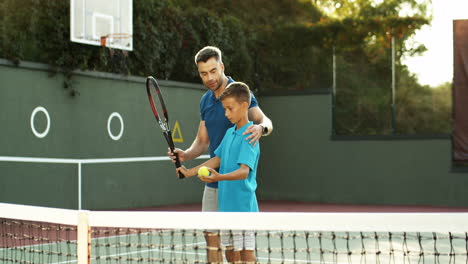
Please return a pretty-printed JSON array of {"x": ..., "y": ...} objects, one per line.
[{"x": 203, "y": 171}]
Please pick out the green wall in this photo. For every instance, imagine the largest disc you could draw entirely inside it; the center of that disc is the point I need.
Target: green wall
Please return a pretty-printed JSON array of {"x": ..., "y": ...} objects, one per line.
[
  {"x": 78, "y": 130},
  {"x": 300, "y": 160}
]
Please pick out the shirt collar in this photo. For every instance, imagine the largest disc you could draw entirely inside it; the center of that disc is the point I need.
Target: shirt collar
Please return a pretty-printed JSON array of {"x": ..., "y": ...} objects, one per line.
[{"x": 241, "y": 130}]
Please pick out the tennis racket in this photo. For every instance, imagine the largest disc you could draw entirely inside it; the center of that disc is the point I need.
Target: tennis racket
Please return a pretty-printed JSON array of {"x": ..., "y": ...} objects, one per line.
[{"x": 157, "y": 105}]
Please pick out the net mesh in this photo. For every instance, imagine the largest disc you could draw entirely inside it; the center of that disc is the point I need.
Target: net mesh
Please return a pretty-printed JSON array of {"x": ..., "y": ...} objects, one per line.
[
  {"x": 170, "y": 237},
  {"x": 23, "y": 241}
]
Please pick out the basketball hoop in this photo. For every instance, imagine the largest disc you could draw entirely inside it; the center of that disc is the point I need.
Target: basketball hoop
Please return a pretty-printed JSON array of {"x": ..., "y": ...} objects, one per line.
[{"x": 114, "y": 38}]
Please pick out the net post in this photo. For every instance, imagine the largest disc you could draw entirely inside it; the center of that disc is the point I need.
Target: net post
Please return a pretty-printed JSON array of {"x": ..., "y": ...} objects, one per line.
[
  {"x": 79, "y": 187},
  {"x": 83, "y": 238}
]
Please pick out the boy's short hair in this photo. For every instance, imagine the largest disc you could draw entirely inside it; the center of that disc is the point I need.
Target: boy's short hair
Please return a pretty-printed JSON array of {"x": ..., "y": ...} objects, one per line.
[
  {"x": 207, "y": 53},
  {"x": 237, "y": 90}
]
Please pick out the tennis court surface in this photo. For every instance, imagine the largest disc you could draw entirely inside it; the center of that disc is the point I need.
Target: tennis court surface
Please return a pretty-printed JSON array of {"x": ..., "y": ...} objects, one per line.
[{"x": 30, "y": 234}]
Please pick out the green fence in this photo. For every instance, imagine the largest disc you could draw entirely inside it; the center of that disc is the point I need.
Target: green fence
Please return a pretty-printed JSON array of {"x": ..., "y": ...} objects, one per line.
[
  {"x": 302, "y": 161},
  {"x": 69, "y": 139},
  {"x": 111, "y": 119}
]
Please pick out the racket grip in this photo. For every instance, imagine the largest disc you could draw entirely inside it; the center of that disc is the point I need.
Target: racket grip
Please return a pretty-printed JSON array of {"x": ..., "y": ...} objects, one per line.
[
  {"x": 167, "y": 135},
  {"x": 177, "y": 164}
]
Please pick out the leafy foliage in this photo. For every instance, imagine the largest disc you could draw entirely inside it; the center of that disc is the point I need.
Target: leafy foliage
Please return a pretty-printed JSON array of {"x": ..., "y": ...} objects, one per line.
[
  {"x": 423, "y": 109},
  {"x": 272, "y": 46}
]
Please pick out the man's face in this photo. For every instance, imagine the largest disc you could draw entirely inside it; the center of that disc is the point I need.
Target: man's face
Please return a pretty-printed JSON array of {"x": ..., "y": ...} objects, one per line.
[{"x": 211, "y": 72}]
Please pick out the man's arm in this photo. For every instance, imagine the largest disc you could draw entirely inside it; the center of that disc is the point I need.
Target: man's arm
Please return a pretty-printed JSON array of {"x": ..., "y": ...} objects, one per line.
[
  {"x": 199, "y": 145},
  {"x": 262, "y": 125}
]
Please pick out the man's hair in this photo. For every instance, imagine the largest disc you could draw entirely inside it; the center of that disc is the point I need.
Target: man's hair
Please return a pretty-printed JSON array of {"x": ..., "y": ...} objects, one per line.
[
  {"x": 207, "y": 53},
  {"x": 237, "y": 90}
]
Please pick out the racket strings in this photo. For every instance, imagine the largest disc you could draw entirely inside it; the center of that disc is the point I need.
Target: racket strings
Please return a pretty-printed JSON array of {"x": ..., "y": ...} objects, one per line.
[{"x": 157, "y": 104}]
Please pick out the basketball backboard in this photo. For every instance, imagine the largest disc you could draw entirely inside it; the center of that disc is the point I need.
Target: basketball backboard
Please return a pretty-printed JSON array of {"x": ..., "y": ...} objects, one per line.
[{"x": 102, "y": 23}]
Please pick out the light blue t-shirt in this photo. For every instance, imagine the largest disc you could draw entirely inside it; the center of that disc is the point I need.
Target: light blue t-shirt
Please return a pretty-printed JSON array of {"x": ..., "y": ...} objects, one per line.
[
  {"x": 234, "y": 150},
  {"x": 216, "y": 122}
]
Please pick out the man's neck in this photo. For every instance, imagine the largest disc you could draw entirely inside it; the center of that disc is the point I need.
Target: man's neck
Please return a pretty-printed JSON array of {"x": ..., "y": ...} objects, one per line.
[{"x": 218, "y": 92}]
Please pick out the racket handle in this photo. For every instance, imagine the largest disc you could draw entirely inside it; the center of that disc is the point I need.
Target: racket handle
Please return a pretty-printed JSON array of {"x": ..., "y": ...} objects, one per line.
[
  {"x": 168, "y": 136},
  {"x": 177, "y": 164}
]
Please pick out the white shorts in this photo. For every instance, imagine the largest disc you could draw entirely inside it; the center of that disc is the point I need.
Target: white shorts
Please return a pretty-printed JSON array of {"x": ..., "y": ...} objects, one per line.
[
  {"x": 239, "y": 240},
  {"x": 210, "y": 199},
  {"x": 210, "y": 202}
]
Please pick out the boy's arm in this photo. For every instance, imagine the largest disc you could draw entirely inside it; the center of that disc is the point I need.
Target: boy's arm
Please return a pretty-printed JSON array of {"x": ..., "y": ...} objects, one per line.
[
  {"x": 211, "y": 163},
  {"x": 199, "y": 145},
  {"x": 240, "y": 174}
]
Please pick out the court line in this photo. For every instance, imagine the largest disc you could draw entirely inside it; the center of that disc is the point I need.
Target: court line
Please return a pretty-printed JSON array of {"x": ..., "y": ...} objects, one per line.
[
  {"x": 141, "y": 251},
  {"x": 80, "y": 162},
  {"x": 167, "y": 250},
  {"x": 88, "y": 161}
]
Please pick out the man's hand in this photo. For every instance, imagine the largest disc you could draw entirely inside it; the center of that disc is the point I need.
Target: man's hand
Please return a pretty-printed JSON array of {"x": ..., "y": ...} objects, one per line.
[
  {"x": 255, "y": 131},
  {"x": 179, "y": 152}
]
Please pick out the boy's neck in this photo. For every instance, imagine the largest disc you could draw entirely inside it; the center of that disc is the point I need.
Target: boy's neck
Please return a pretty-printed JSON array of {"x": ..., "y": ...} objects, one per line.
[{"x": 242, "y": 123}]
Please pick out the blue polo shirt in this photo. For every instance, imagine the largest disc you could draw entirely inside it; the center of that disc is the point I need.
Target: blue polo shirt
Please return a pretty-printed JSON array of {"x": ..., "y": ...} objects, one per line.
[
  {"x": 212, "y": 112},
  {"x": 234, "y": 150}
]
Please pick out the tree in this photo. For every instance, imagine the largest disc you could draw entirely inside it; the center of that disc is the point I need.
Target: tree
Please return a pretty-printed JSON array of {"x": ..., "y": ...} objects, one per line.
[
  {"x": 362, "y": 37},
  {"x": 279, "y": 45}
]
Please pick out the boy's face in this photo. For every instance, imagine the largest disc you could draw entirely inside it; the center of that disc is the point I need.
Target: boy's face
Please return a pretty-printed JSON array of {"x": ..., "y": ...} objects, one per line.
[{"x": 234, "y": 110}]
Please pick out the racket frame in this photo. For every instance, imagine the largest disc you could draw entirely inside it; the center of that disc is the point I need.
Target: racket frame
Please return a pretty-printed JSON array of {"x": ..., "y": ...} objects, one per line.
[{"x": 152, "y": 84}]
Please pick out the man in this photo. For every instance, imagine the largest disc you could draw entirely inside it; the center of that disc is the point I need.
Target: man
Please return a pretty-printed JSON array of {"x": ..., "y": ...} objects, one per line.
[{"x": 212, "y": 128}]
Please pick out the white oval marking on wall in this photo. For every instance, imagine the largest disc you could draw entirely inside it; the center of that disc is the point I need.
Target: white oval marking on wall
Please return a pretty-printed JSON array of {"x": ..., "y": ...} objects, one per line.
[
  {"x": 117, "y": 115},
  {"x": 33, "y": 128}
]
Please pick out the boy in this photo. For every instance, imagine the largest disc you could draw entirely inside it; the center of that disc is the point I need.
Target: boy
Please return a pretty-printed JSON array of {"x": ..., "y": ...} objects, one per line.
[{"x": 237, "y": 161}]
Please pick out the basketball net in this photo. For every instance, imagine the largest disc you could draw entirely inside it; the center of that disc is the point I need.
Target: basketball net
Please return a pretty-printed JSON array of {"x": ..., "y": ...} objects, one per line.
[{"x": 110, "y": 39}]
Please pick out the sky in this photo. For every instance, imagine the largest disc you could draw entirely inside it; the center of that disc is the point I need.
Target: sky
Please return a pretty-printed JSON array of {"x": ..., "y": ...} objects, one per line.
[{"x": 435, "y": 66}]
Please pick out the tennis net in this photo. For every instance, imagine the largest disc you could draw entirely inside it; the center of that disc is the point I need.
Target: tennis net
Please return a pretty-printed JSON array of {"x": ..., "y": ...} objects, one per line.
[{"x": 30, "y": 234}]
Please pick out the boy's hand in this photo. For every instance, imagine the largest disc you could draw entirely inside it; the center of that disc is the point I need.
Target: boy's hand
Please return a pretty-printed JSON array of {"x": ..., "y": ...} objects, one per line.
[
  {"x": 214, "y": 177},
  {"x": 185, "y": 171}
]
